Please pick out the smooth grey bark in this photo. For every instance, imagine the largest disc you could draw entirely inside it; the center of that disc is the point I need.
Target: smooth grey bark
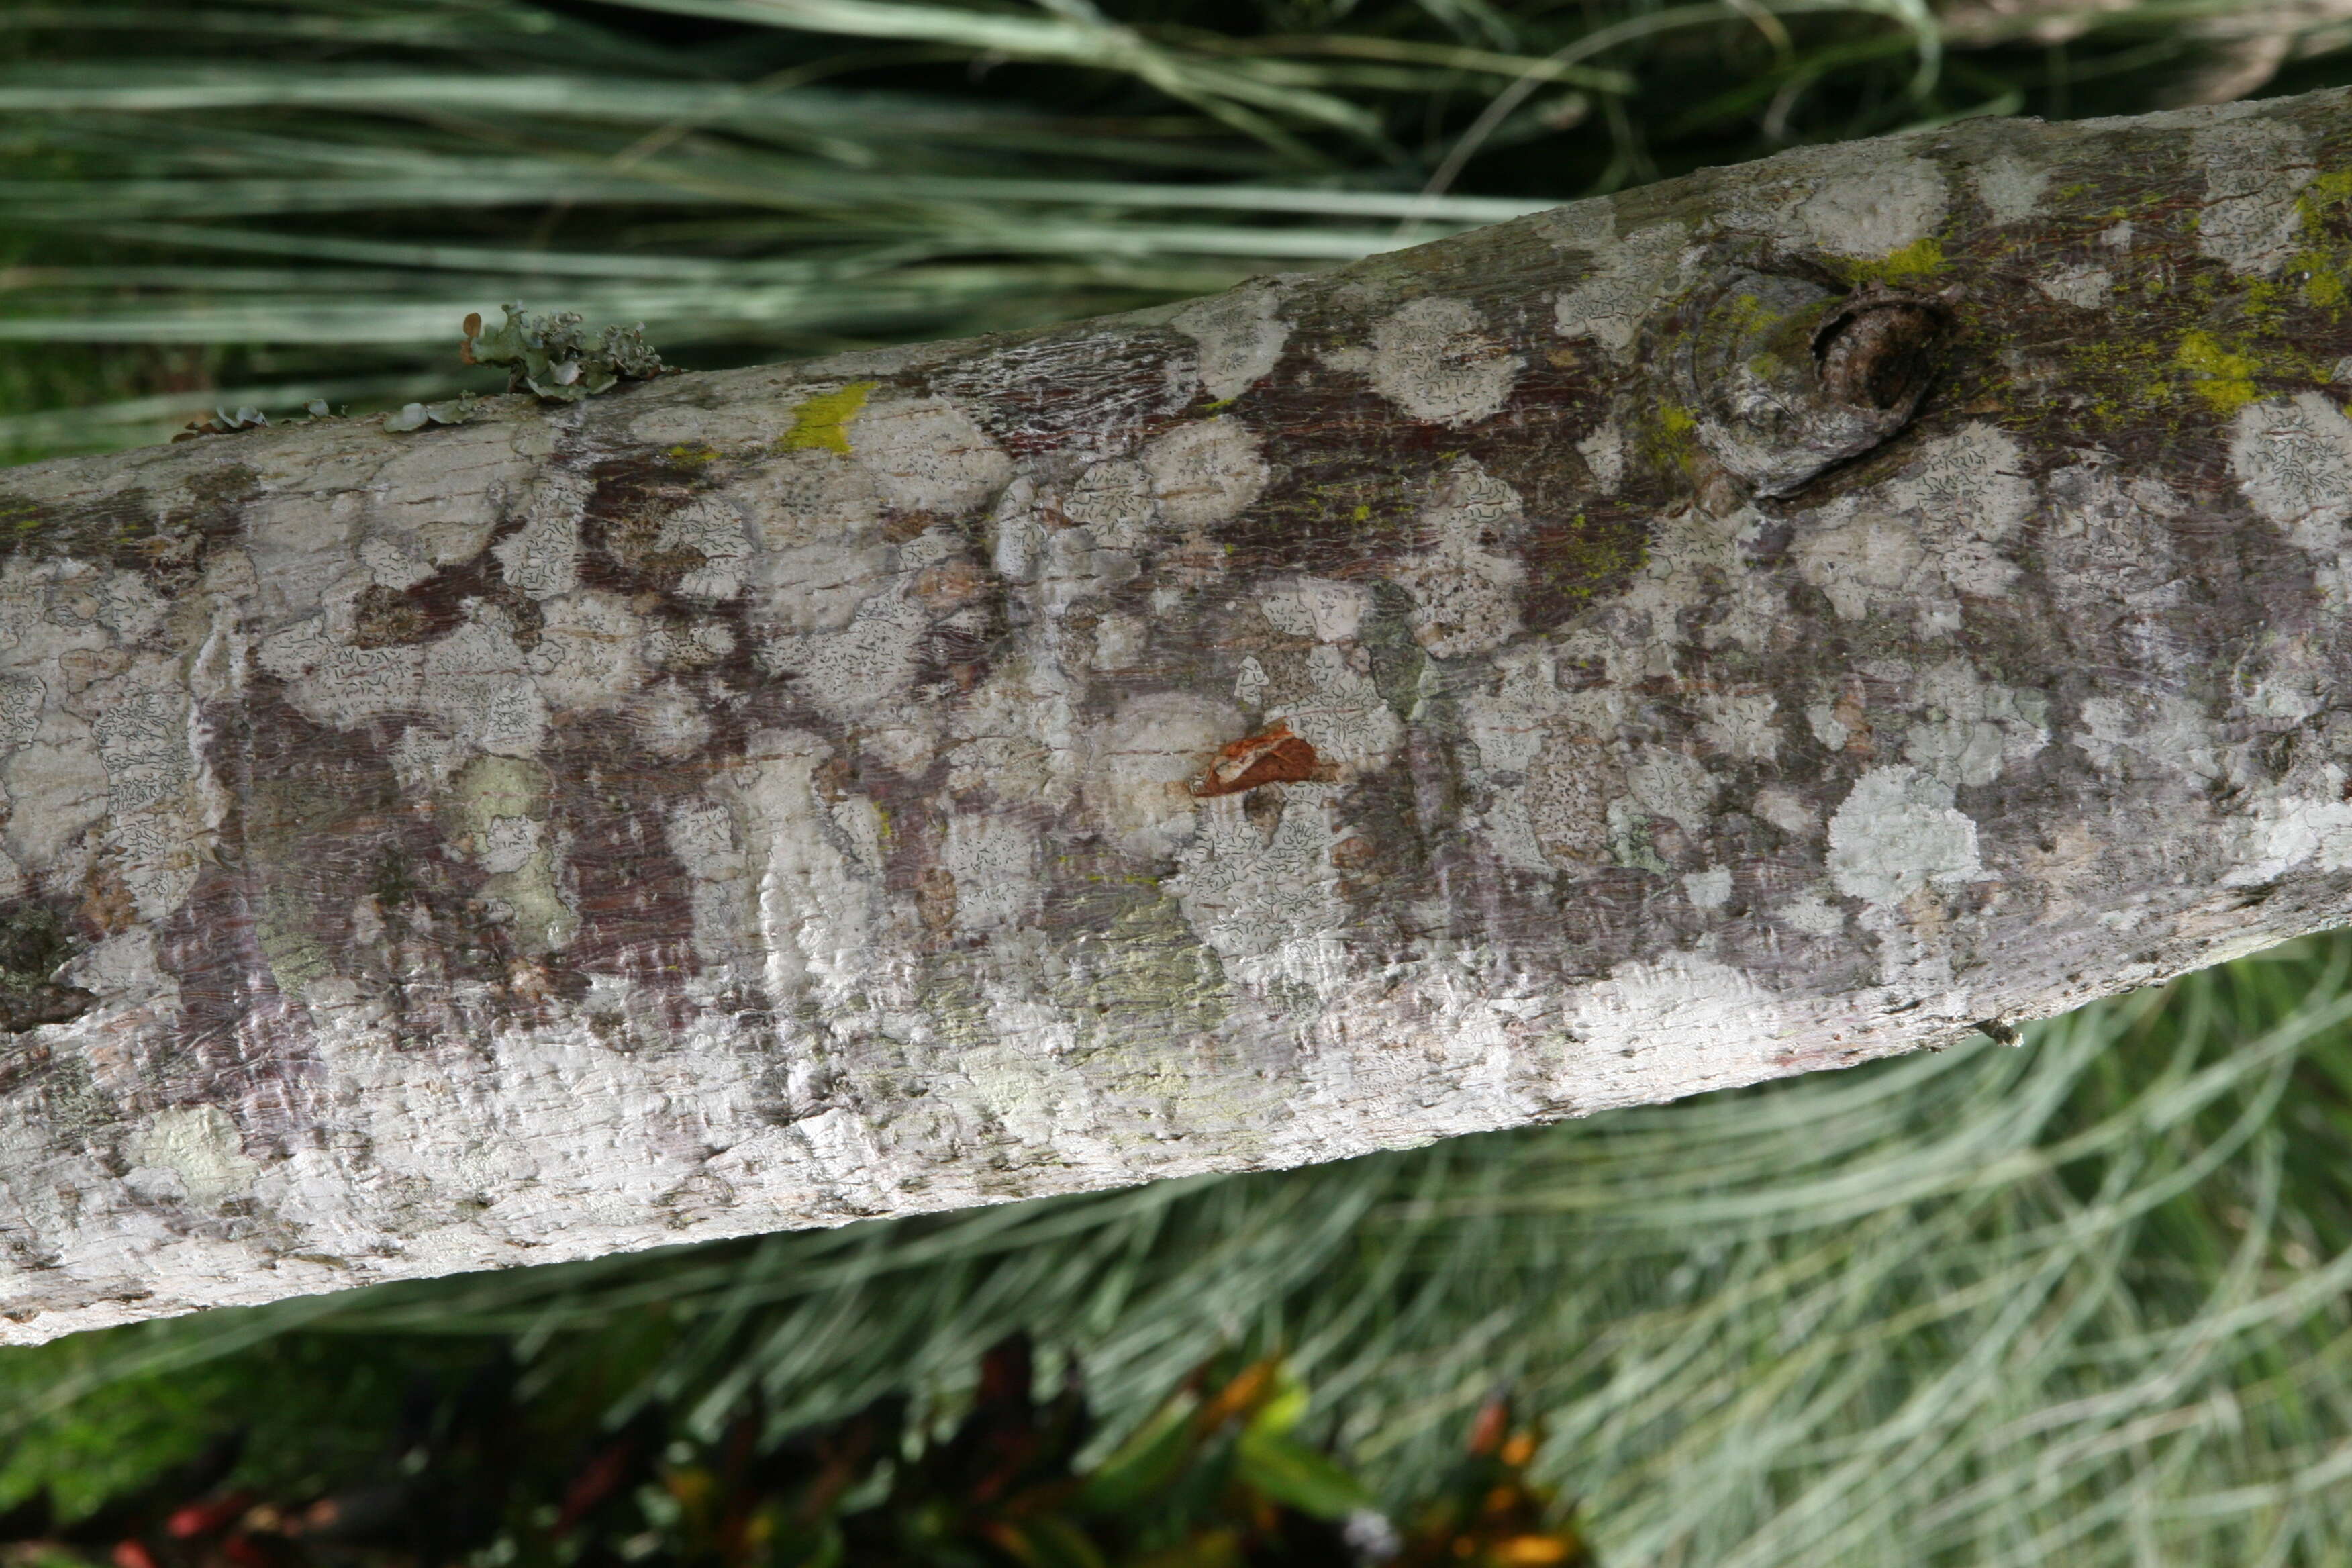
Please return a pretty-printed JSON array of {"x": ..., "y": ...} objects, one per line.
[{"x": 1760, "y": 622}]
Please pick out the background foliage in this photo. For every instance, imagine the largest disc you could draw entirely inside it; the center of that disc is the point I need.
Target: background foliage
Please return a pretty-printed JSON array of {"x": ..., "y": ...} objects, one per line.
[
  {"x": 494, "y": 1468},
  {"x": 2083, "y": 1302},
  {"x": 259, "y": 202}
]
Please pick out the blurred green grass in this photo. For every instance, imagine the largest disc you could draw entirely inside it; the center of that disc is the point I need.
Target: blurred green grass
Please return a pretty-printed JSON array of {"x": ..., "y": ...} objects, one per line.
[
  {"x": 2082, "y": 1302},
  {"x": 265, "y": 201}
]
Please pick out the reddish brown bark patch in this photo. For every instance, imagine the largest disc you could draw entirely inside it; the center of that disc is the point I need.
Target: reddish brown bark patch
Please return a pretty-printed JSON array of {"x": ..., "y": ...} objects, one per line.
[{"x": 1271, "y": 756}]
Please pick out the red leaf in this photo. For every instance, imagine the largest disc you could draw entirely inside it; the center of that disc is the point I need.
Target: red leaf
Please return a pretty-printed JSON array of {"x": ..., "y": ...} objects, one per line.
[
  {"x": 203, "y": 1518},
  {"x": 597, "y": 1480}
]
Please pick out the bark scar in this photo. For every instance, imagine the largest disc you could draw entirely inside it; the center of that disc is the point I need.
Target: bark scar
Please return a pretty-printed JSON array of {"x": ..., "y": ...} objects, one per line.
[
  {"x": 1785, "y": 376},
  {"x": 1271, "y": 756},
  {"x": 1877, "y": 350}
]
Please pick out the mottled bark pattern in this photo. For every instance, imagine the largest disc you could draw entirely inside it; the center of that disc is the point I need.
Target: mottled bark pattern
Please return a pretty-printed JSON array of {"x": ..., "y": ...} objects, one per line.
[{"x": 1756, "y": 622}]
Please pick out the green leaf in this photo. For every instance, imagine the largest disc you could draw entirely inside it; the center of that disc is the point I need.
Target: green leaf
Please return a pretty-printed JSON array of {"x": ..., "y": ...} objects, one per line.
[
  {"x": 1283, "y": 1411},
  {"x": 1142, "y": 1467},
  {"x": 1290, "y": 1472},
  {"x": 1048, "y": 1541},
  {"x": 1210, "y": 1549}
]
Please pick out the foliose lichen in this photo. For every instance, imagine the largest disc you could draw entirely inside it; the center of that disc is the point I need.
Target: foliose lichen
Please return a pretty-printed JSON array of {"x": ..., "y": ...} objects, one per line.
[
  {"x": 221, "y": 421},
  {"x": 553, "y": 357},
  {"x": 418, "y": 416}
]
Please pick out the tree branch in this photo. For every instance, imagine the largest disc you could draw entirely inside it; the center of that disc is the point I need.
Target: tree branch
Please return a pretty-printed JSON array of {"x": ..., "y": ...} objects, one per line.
[{"x": 1756, "y": 622}]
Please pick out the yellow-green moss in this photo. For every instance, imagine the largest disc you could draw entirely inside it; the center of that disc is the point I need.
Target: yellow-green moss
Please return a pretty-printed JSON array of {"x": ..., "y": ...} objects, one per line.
[
  {"x": 1590, "y": 560},
  {"x": 822, "y": 423},
  {"x": 1921, "y": 259},
  {"x": 2334, "y": 187},
  {"x": 2225, "y": 380},
  {"x": 2324, "y": 265},
  {"x": 1662, "y": 436}
]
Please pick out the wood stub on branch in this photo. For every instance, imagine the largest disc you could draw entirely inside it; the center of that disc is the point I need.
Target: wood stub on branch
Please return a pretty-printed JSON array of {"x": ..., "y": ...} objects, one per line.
[{"x": 1756, "y": 623}]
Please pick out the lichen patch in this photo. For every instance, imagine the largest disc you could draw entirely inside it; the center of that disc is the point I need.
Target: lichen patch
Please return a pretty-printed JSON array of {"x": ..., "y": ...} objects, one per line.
[
  {"x": 1971, "y": 492},
  {"x": 1267, "y": 904},
  {"x": 1684, "y": 1005},
  {"x": 1812, "y": 915},
  {"x": 708, "y": 537},
  {"x": 586, "y": 658},
  {"x": 195, "y": 1148},
  {"x": 1143, "y": 762},
  {"x": 994, "y": 859},
  {"x": 57, "y": 786},
  {"x": 1437, "y": 359},
  {"x": 1870, "y": 203},
  {"x": 820, "y": 418},
  {"x": 928, "y": 456},
  {"x": 2009, "y": 186},
  {"x": 1466, "y": 586},
  {"x": 852, "y": 674},
  {"x": 2083, "y": 286},
  {"x": 541, "y": 558},
  {"x": 1240, "y": 334},
  {"x": 1870, "y": 557},
  {"x": 1572, "y": 776},
  {"x": 1896, "y": 833},
  {"x": 1342, "y": 718},
  {"x": 701, "y": 832},
  {"x": 817, "y": 903},
  {"x": 440, "y": 497},
  {"x": 2253, "y": 171},
  {"x": 1952, "y": 513},
  {"x": 1206, "y": 472},
  {"x": 1709, "y": 890},
  {"x": 1972, "y": 727},
  {"x": 805, "y": 497},
  {"x": 1668, "y": 782},
  {"x": 1114, "y": 501},
  {"x": 1603, "y": 452},
  {"x": 475, "y": 682},
  {"x": 499, "y": 808},
  {"x": 2285, "y": 831},
  {"x": 2292, "y": 459},
  {"x": 1740, "y": 724},
  {"x": 1629, "y": 277},
  {"x": 2158, "y": 732},
  {"x": 1322, "y": 608}
]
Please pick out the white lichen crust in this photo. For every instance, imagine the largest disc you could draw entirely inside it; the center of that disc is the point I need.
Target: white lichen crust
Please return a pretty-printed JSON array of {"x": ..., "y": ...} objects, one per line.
[{"x": 1350, "y": 711}]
